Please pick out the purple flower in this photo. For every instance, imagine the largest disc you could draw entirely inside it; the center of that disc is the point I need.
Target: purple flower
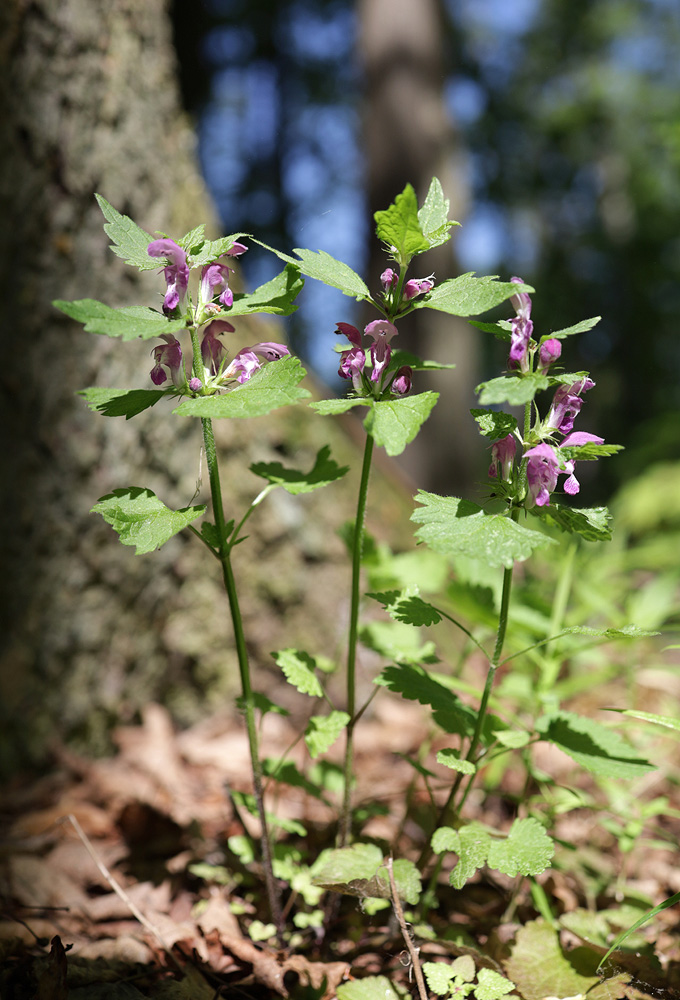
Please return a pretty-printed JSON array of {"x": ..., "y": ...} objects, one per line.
[
  {"x": 349, "y": 331},
  {"x": 401, "y": 383},
  {"x": 418, "y": 286},
  {"x": 388, "y": 279},
  {"x": 168, "y": 358},
  {"x": 579, "y": 438},
  {"x": 543, "y": 469},
  {"x": 215, "y": 281},
  {"x": 566, "y": 405},
  {"x": 195, "y": 384},
  {"x": 502, "y": 456},
  {"x": 244, "y": 365},
  {"x": 382, "y": 332},
  {"x": 212, "y": 349},
  {"x": 522, "y": 329},
  {"x": 269, "y": 351},
  {"x": 235, "y": 250},
  {"x": 176, "y": 272},
  {"x": 548, "y": 353},
  {"x": 352, "y": 362}
]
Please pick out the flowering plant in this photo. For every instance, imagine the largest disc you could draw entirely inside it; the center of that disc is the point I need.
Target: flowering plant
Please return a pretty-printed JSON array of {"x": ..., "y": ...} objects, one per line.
[{"x": 193, "y": 366}]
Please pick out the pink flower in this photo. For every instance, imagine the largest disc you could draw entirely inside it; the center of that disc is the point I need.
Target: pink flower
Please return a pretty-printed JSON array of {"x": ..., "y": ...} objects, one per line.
[
  {"x": 502, "y": 457},
  {"x": 176, "y": 272},
  {"x": 168, "y": 358},
  {"x": 382, "y": 332},
  {"x": 418, "y": 286},
  {"x": 566, "y": 405},
  {"x": 401, "y": 383},
  {"x": 548, "y": 353},
  {"x": 269, "y": 351},
  {"x": 543, "y": 469},
  {"x": 215, "y": 281},
  {"x": 212, "y": 349},
  {"x": 388, "y": 279}
]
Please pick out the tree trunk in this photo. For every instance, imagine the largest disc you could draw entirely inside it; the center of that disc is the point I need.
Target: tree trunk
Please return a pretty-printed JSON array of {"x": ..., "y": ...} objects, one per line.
[
  {"x": 89, "y": 630},
  {"x": 409, "y": 138}
]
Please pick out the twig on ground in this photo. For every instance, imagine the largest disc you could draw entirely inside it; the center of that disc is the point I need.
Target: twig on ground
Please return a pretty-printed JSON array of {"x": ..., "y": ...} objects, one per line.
[{"x": 412, "y": 950}]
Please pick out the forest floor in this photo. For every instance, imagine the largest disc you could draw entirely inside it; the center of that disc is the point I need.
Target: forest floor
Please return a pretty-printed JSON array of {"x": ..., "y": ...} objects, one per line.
[{"x": 102, "y": 896}]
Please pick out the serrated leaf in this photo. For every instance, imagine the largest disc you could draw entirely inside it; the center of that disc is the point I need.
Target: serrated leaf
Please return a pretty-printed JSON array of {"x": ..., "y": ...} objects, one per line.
[
  {"x": 472, "y": 850},
  {"x": 494, "y": 424},
  {"x": 439, "y": 976},
  {"x": 141, "y": 519},
  {"x": 433, "y": 215},
  {"x": 275, "y": 384},
  {"x": 502, "y": 330},
  {"x": 298, "y": 668},
  {"x": 394, "y": 423},
  {"x": 323, "y": 730},
  {"x": 128, "y": 323},
  {"x": 451, "y": 758},
  {"x": 459, "y": 527},
  {"x": 591, "y": 523},
  {"x": 262, "y": 703},
  {"x": 331, "y": 407},
  {"x": 324, "y": 471},
  {"x": 323, "y": 267},
  {"x": 121, "y": 402},
  {"x": 491, "y": 985},
  {"x": 514, "y": 390},
  {"x": 276, "y": 297},
  {"x": 415, "y": 684},
  {"x": 211, "y": 250},
  {"x": 591, "y": 745},
  {"x": 400, "y": 358},
  {"x": 399, "y": 227},
  {"x": 407, "y": 607},
  {"x": 211, "y": 535},
  {"x": 370, "y": 988},
  {"x": 590, "y": 452},
  {"x": 568, "y": 331},
  {"x": 445, "y": 838},
  {"x": 539, "y": 968},
  {"x": 468, "y": 295},
  {"x": 128, "y": 240},
  {"x": 195, "y": 238},
  {"x": 359, "y": 870},
  {"x": 527, "y": 849}
]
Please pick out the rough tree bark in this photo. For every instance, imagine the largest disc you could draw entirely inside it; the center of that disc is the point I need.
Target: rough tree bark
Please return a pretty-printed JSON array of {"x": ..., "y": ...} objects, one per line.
[
  {"x": 89, "y": 631},
  {"x": 409, "y": 138}
]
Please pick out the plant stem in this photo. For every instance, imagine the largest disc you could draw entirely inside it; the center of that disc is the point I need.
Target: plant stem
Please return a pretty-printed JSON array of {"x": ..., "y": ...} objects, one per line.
[
  {"x": 357, "y": 548},
  {"x": 244, "y": 668}
]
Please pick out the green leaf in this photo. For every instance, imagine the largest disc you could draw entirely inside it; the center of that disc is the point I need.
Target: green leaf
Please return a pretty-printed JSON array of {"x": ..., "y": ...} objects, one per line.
[
  {"x": 590, "y": 452},
  {"x": 494, "y": 424},
  {"x": 393, "y": 423},
  {"x": 288, "y": 774},
  {"x": 331, "y": 407},
  {"x": 627, "y": 632},
  {"x": 591, "y": 523},
  {"x": 514, "y": 390},
  {"x": 539, "y": 967},
  {"x": 433, "y": 216},
  {"x": 527, "y": 849},
  {"x": 141, "y": 519},
  {"x": 397, "y": 641},
  {"x": 502, "y": 330},
  {"x": 568, "y": 331},
  {"x": 399, "y": 227},
  {"x": 459, "y": 527},
  {"x": 276, "y": 297},
  {"x": 370, "y": 988},
  {"x": 323, "y": 267},
  {"x": 209, "y": 250},
  {"x": 298, "y": 668},
  {"x": 128, "y": 240},
  {"x": 275, "y": 384},
  {"x": 359, "y": 870},
  {"x": 671, "y": 901},
  {"x": 407, "y": 607},
  {"x": 440, "y": 975},
  {"x": 445, "y": 838},
  {"x": 323, "y": 730},
  {"x": 670, "y": 722},
  {"x": 468, "y": 295},
  {"x": 261, "y": 702},
  {"x": 451, "y": 758},
  {"x": 591, "y": 745},
  {"x": 415, "y": 684},
  {"x": 324, "y": 471},
  {"x": 127, "y": 323},
  {"x": 491, "y": 985},
  {"x": 121, "y": 402},
  {"x": 400, "y": 358}
]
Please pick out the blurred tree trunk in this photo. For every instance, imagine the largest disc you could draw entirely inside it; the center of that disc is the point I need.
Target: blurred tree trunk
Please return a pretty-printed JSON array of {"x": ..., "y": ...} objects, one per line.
[
  {"x": 409, "y": 138},
  {"x": 89, "y": 631}
]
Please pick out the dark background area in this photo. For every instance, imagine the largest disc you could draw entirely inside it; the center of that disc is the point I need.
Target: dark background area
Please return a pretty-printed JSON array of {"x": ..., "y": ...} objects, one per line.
[{"x": 565, "y": 117}]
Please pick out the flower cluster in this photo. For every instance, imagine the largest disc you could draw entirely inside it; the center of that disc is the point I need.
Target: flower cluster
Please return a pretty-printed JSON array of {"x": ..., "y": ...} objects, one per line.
[
  {"x": 214, "y": 285},
  {"x": 544, "y": 461},
  {"x": 353, "y": 362}
]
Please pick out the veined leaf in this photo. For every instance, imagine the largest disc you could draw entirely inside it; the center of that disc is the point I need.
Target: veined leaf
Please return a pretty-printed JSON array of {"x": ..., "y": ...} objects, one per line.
[
  {"x": 121, "y": 402},
  {"x": 415, "y": 683},
  {"x": 141, "y": 519},
  {"x": 591, "y": 523},
  {"x": 331, "y": 407},
  {"x": 399, "y": 227},
  {"x": 275, "y": 384},
  {"x": 494, "y": 424},
  {"x": 127, "y": 323},
  {"x": 408, "y": 607},
  {"x": 359, "y": 870},
  {"x": 323, "y": 267},
  {"x": 325, "y": 471},
  {"x": 511, "y": 389},
  {"x": 128, "y": 240},
  {"x": 276, "y": 297},
  {"x": 393, "y": 423},
  {"x": 502, "y": 330},
  {"x": 525, "y": 850},
  {"x": 459, "y": 527},
  {"x": 433, "y": 215},
  {"x": 298, "y": 668},
  {"x": 209, "y": 250},
  {"x": 568, "y": 331},
  {"x": 669, "y": 722},
  {"x": 468, "y": 295},
  {"x": 323, "y": 730},
  {"x": 593, "y": 746},
  {"x": 451, "y": 758}
]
